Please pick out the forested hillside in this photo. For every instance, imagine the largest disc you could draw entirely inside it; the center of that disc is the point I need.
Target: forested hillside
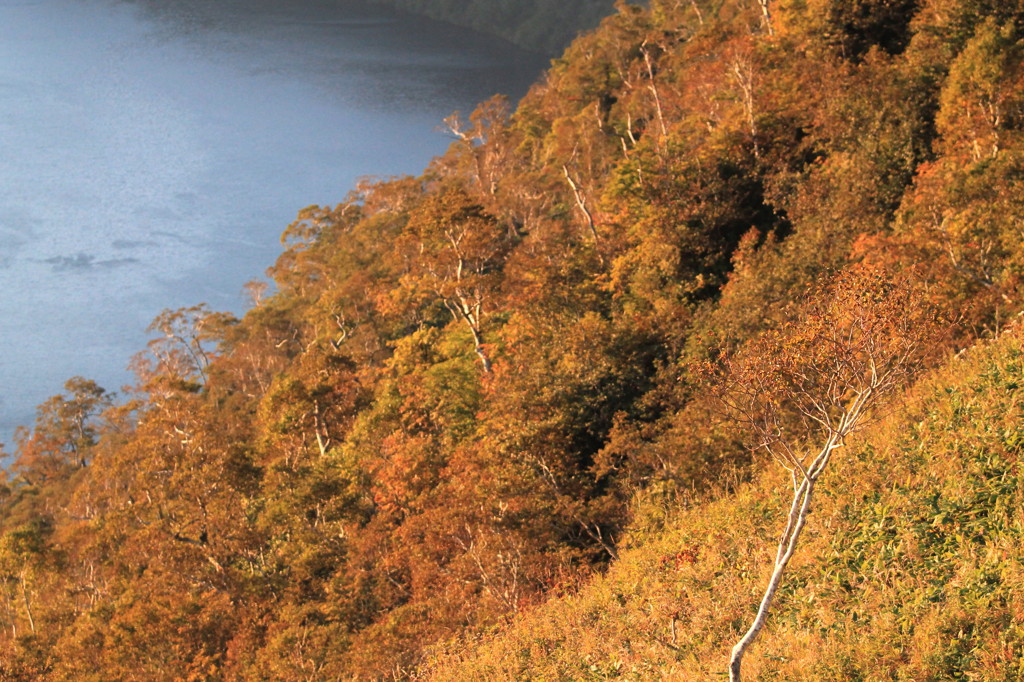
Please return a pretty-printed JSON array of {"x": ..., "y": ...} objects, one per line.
[
  {"x": 543, "y": 25},
  {"x": 911, "y": 570},
  {"x": 529, "y": 415}
]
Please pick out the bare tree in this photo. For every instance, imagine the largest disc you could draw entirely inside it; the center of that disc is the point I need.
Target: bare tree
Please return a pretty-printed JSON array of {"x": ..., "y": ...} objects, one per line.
[{"x": 803, "y": 389}]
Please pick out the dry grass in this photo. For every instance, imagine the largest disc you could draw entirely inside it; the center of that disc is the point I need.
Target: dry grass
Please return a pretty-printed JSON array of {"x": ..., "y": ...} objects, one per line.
[{"x": 912, "y": 567}]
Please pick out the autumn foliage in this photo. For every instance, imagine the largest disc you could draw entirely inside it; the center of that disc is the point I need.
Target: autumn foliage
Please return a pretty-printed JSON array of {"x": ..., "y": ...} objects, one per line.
[{"x": 474, "y": 403}]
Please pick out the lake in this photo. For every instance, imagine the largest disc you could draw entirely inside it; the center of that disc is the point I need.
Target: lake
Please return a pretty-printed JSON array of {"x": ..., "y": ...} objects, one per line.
[{"x": 152, "y": 153}]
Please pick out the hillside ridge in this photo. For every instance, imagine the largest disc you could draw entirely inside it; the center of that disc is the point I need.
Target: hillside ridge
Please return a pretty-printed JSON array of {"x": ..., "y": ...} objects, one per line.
[
  {"x": 546, "y": 26},
  {"x": 511, "y": 417}
]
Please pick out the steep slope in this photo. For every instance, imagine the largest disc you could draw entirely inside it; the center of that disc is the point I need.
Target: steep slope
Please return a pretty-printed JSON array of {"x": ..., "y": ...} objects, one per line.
[
  {"x": 911, "y": 569},
  {"x": 471, "y": 390}
]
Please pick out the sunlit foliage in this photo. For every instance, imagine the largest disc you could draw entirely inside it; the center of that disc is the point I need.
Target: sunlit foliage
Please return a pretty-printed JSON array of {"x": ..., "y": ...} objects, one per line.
[{"x": 467, "y": 393}]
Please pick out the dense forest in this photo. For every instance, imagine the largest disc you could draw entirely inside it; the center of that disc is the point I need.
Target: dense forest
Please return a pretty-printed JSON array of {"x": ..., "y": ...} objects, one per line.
[
  {"x": 543, "y": 25},
  {"x": 540, "y": 412}
]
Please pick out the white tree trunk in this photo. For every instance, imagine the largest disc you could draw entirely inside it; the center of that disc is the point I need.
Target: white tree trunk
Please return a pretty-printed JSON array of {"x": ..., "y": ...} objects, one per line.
[
  {"x": 28, "y": 605},
  {"x": 787, "y": 545}
]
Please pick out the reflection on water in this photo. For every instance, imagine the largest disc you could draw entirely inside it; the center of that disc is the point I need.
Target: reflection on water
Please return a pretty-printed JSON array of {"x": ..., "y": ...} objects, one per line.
[{"x": 152, "y": 152}]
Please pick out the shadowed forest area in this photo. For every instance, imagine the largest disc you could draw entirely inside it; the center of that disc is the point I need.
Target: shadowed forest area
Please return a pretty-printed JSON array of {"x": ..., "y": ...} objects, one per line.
[
  {"x": 542, "y": 25},
  {"x": 540, "y": 412}
]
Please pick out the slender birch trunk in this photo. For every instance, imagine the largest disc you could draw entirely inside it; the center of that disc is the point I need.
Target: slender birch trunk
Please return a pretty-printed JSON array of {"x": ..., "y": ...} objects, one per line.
[
  {"x": 787, "y": 545},
  {"x": 795, "y": 521},
  {"x": 581, "y": 203},
  {"x": 28, "y": 605},
  {"x": 766, "y": 15},
  {"x": 862, "y": 340},
  {"x": 478, "y": 346}
]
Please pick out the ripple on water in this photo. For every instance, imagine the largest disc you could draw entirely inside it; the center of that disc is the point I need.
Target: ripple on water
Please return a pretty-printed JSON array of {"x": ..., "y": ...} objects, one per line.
[{"x": 151, "y": 154}]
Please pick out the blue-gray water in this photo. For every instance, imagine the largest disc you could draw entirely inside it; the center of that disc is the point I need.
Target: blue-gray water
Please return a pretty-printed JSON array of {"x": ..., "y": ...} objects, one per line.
[{"x": 152, "y": 152}]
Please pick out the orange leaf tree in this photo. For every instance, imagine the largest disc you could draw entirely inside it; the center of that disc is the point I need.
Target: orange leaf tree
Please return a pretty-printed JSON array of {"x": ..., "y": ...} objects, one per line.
[
  {"x": 454, "y": 252},
  {"x": 802, "y": 389}
]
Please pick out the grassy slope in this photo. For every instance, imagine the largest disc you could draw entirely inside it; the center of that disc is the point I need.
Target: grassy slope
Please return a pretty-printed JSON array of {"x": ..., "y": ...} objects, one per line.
[{"x": 911, "y": 568}]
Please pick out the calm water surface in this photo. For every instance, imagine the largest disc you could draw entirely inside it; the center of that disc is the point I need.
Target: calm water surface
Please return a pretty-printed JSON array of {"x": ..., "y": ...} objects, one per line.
[{"x": 151, "y": 154}]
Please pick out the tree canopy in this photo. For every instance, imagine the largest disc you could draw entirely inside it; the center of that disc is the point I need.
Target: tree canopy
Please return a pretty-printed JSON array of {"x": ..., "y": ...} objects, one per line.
[{"x": 461, "y": 391}]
